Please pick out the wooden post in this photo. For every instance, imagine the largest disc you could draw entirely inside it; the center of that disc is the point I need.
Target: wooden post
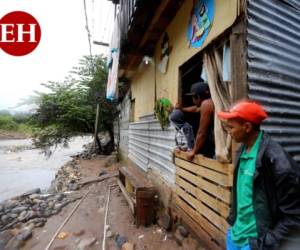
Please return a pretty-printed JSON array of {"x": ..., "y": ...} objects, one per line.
[{"x": 96, "y": 126}]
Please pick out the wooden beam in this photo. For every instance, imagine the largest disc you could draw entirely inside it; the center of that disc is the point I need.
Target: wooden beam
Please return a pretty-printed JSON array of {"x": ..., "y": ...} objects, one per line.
[{"x": 127, "y": 197}]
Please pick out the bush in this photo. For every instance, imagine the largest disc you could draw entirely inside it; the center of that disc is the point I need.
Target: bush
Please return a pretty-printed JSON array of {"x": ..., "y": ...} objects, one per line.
[{"x": 7, "y": 123}]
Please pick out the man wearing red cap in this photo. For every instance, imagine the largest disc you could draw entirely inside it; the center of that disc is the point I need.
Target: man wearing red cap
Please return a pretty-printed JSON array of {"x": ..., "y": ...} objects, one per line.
[{"x": 265, "y": 209}]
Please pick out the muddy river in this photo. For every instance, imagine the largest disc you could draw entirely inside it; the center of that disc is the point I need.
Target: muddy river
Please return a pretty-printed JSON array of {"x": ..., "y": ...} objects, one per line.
[{"x": 23, "y": 168}]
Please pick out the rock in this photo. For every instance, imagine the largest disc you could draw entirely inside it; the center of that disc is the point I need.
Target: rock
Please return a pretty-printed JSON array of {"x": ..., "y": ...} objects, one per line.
[
  {"x": 51, "y": 204},
  {"x": 127, "y": 246},
  {"x": 178, "y": 237},
  {"x": 183, "y": 231},
  {"x": 43, "y": 204},
  {"x": 5, "y": 237},
  {"x": 109, "y": 234},
  {"x": 4, "y": 218},
  {"x": 12, "y": 215},
  {"x": 33, "y": 191},
  {"x": 59, "y": 197},
  {"x": 1, "y": 208},
  {"x": 22, "y": 216},
  {"x": 18, "y": 210},
  {"x": 73, "y": 186},
  {"x": 37, "y": 201},
  {"x": 165, "y": 222},
  {"x": 34, "y": 196},
  {"x": 24, "y": 234},
  {"x": 84, "y": 244},
  {"x": 103, "y": 172}
]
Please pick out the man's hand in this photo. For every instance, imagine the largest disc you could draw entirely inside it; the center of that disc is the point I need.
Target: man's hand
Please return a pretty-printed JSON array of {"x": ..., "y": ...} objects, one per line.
[
  {"x": 190, "y": 156},
  {"x": 178, "y": 106}
]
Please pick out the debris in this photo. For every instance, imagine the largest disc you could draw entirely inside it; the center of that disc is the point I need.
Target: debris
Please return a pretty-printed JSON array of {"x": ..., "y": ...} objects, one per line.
[
  {"x": 84, "y": 244},
  {"x": 62, "y": 235},
  {"x": 141, "y": 236},
  {"x": 120, "y": 240},
  {"x": 79, "y": 233},
  {"x": 165, "y": 238}
]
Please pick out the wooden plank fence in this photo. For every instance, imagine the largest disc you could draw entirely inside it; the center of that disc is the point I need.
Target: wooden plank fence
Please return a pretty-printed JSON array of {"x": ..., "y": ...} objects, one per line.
[{"x": 202, "y": 197}]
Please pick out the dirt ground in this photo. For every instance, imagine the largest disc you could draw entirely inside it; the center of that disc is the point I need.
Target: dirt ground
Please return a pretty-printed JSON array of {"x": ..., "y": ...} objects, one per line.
[{"x": 88, "y": 220}]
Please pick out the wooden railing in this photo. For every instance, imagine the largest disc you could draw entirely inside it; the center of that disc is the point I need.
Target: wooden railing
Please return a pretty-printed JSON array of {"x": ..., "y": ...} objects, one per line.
[{"x": 202, "y": 197}]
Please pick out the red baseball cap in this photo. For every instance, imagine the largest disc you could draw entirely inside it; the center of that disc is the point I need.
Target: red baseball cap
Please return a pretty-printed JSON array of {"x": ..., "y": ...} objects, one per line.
[{"x": 246, "y": 110}]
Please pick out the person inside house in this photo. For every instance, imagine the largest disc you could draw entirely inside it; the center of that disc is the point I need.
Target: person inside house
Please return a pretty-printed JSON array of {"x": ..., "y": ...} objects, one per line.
[
  {"x": 265, "y": 208},
  {"x": 184, "y": 137},
  {"x": 203, "y": 104}
]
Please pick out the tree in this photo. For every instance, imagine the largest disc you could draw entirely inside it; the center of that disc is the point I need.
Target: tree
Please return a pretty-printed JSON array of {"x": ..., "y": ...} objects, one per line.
[{"x": 68, "y": 108}]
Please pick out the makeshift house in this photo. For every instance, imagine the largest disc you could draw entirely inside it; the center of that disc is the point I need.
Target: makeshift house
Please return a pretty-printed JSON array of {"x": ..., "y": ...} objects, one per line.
[{"x": 242, "y": 49}]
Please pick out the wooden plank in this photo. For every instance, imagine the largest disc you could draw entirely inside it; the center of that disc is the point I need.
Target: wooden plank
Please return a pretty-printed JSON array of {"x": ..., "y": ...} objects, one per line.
[
  {"x": 212, "y": 202},
  {"x": 204, "y": 172},
  {"x": 218, "y": 191},
  {"x": 213, "y": 217},
  {"x": 207, "y": 226},
  {"x": 198, "y": 230},
  {"x": 127, "y": 197},
  {"x": 224, "y": 168},
  {"x": 221, "y": 192}
]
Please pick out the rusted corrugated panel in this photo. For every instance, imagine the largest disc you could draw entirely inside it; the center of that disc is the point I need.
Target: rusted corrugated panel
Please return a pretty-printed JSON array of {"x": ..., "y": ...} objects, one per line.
[
  {"x": 151, "y": 147},
  {"x": 273, "y": 60}
]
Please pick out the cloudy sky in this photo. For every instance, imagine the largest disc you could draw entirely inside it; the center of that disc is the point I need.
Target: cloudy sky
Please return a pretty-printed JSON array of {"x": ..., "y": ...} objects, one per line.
[{"x": 64, "y": 40}]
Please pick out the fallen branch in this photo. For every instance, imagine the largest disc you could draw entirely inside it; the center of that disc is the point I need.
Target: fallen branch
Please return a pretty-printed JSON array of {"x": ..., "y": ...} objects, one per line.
[{"x": 97, "y": 179}]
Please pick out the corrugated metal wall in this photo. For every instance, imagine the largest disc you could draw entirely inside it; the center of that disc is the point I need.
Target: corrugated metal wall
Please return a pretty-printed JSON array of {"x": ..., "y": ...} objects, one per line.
[
  {"x": 273, "y": 36},
  {"x": 122, "y": 126},
  {"x": 150, "y": 147}
]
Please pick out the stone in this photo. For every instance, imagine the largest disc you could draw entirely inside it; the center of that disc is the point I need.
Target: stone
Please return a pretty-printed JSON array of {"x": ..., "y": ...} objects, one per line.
[
  {"x": 165, "y": 221},
  {"x": 24, "y": 234},
  {"x": 183, "y": 231},
  {"x": 37, "y": 201},
  {"x": 34, "y": 196},
  {"x": 127, "y": 246},
  {"x": 33, "y": 191},
  {"x": 5, "y": 237},
  {"x": 51, "y": 204},
  {"x": 73, "y": 186},
  {"x": 1, "y": 208},
  {"x": 178, "y": 237},
  {"x": 22, "y": 216},
  {"x": 109, "y": 234},
  {"x": 43, "y": 204},
  {"x": 12, "y": 215},
  {"x": 103, "y": 172},
  {"x": 59, "y": 197},
  {"x": 18, "y": 210},
  {"x": 84, "y": 244},
  {"x": 4, "y": 218}
]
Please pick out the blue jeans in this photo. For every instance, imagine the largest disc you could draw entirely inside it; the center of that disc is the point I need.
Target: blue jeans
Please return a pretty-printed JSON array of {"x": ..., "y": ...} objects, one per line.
[{"x": 230, "y": 245}]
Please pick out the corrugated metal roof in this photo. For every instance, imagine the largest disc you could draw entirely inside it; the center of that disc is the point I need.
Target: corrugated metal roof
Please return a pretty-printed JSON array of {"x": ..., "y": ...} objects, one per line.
[{"x": 273, "y": 36}]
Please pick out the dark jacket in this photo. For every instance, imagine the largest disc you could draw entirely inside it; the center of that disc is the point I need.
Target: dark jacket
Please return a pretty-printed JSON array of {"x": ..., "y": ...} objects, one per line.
[{"x": 276, "y": 194}]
